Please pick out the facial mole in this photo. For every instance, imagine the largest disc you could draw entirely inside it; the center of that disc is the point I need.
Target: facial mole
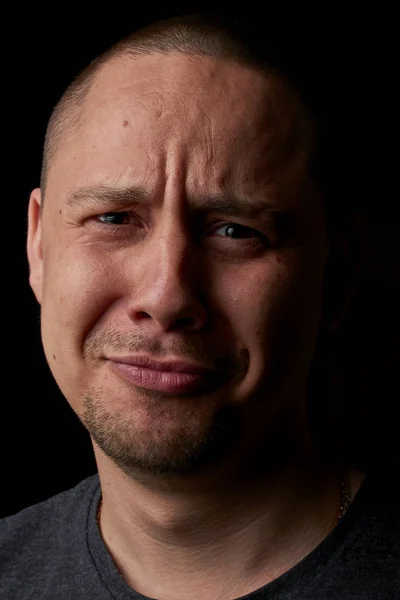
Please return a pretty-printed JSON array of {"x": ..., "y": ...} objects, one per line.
[
  {"x": 60, "y": 212},
  {"x": 54, "y": 356},
  {"x": 125, "y": 123}
]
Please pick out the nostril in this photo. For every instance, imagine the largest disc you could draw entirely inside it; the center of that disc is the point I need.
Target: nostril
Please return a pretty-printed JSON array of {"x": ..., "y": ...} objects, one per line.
[
  {"x": 139, "y": 315},
  {"x": 184, "y": 322}
]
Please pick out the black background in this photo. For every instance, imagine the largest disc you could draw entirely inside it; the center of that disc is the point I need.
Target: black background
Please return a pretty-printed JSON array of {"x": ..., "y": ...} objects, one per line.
[{"x": 44, "y": 448}]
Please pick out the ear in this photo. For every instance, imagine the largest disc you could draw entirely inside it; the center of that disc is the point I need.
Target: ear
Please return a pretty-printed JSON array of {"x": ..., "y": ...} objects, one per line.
[
  {"x": 34, "y": 244},
  {"x": 342, "y": 272}
]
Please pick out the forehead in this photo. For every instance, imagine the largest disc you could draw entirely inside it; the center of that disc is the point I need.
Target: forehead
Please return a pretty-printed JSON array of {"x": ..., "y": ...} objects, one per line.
[
  {"x": 175, "y": 96},
  {"x": 174, "y": 82},
  {"x": 220, "y": 119}
]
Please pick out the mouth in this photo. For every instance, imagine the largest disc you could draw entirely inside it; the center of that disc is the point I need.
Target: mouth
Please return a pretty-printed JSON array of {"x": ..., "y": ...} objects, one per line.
[{"x": 174, "y": 377}]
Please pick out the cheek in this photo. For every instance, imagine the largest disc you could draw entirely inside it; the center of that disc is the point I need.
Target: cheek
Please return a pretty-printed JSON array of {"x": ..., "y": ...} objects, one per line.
[
  {"x": 274, "y": 307},
  {"x": 78, "y": 290},
  {"x": 78, "y": 285}
]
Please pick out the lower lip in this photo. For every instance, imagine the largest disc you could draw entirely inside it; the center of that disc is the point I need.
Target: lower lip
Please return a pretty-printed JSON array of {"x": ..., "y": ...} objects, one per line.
[{"x": 166, "y": 381}]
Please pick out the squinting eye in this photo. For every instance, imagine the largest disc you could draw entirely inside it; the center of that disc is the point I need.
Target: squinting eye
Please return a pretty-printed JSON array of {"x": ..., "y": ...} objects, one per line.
[
  {"x": 235, "y": 231},
  {"x": 115, "y": 218}
]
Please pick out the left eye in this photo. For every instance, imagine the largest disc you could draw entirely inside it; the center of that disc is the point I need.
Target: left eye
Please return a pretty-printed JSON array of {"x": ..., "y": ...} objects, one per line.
[{"x": 235, "y": 231}]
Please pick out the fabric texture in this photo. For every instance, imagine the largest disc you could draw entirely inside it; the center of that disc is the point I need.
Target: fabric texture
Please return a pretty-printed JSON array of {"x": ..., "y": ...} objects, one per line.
[{"x": 54, "y": 551}]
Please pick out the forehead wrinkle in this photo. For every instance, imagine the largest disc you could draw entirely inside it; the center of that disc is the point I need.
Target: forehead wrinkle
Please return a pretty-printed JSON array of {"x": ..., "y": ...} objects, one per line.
[
  {"x": 234, "y": 96},
  {"x": 254, "y": 132},
  {"x": 224, "y": 201}
]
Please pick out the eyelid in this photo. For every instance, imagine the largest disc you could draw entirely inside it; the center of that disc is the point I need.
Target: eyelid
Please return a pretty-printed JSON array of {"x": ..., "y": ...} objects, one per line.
[
  {"x": 130, "y": 214},
  {"x": 256, "y": 240},
  {"x": 222, "y": 224},
  {"x": 204, "y": 226},
  {"x": 217, "y": 225},
  {"x": 211, "y": 227}
]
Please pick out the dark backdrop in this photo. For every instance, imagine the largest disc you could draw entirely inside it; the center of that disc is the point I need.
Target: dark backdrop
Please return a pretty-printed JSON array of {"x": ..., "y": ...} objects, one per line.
[{"x": 44, "y": 448}]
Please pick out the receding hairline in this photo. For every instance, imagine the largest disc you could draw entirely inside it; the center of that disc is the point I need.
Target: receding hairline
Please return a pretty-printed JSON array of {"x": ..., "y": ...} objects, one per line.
[{"x": 194, "y": 35}]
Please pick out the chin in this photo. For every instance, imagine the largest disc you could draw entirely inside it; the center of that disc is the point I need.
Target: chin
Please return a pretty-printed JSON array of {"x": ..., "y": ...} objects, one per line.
[{"x": 158, "y": 439}]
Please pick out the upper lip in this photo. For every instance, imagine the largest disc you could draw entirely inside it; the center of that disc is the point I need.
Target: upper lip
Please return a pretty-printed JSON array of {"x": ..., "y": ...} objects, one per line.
[{"x": 170, "y": 365}]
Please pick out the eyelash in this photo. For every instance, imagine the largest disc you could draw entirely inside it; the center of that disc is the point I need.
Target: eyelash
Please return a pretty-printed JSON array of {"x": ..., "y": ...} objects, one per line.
[{"x": 262, "y": 237}]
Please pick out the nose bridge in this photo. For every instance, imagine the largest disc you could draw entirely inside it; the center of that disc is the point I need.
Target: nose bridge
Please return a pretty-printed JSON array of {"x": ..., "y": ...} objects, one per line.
[
  {"x": 172, "y": 233},
  {"x": 168, "y": 290},
  {"x": 175, "y": 249}
]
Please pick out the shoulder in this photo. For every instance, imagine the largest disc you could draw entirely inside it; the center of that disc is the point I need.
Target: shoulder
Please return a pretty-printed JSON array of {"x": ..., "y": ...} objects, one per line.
[
  {"x": 375, "y": 507},
  {"x": 43, "y": 548},
  {"x": 38, "y": 524},
  {"x": 63, "y": 499}
]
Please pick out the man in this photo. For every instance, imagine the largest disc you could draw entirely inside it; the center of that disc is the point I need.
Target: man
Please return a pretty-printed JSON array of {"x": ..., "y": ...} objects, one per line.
[{"x": 179, "y": 250}]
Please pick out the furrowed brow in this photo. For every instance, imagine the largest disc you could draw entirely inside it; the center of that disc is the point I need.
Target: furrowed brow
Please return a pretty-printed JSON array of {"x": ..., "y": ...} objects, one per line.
[
  {"x": 99, "y": 196},
  {"x": 225, "y": 203},
  {"x": 235, "y": 206}
]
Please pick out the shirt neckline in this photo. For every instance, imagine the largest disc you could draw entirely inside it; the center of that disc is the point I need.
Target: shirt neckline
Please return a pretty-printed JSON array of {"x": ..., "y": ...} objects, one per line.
[{"x": 302, "y": 576}]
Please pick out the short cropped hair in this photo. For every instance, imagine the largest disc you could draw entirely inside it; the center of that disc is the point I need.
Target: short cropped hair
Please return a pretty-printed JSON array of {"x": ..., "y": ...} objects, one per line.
[
  {"x": 320, "y": 89},
  {"x": 220, "y": 38}
]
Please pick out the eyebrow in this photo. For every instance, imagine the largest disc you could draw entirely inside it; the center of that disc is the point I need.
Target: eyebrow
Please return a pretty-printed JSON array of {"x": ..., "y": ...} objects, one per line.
[
  {"x": 102, "y": 194},
  {"x": 225, "y": 202}
]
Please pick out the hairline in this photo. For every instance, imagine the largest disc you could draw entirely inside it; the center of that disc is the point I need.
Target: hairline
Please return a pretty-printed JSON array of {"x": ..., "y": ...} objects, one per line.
[
  {"x": 190, "y": 36},
  {"x": 67, "y": 114}
]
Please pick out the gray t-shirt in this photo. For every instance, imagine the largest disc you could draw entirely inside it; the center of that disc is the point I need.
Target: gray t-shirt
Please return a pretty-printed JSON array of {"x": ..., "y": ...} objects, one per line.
[{"x": 54, "y": 551}]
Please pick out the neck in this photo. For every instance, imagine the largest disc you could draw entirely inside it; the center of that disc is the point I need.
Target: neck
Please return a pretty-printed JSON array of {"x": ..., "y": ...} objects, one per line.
[{"x": 235, "y": 531}]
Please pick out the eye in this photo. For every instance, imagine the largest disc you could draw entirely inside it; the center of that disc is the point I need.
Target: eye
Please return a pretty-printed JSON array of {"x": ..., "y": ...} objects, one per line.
[
  {"x": 115, "y": 218},
  {"x": 236, "y": 231}
]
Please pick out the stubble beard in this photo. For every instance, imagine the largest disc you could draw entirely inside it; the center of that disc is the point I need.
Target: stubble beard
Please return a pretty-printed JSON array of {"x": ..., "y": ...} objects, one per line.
[{"x": 197, "y": 443}]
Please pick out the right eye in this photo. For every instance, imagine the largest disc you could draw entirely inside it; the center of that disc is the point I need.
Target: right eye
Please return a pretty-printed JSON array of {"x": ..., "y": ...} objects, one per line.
[{"x": 114, "y": 218}]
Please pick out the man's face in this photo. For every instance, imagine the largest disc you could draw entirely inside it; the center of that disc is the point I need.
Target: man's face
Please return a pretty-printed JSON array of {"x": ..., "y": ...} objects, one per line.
[{"x": 140, "y": 253}]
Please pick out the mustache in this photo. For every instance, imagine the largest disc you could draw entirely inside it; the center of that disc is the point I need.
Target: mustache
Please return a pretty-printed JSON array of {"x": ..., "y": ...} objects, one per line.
[{"x": 99, "y": 344}]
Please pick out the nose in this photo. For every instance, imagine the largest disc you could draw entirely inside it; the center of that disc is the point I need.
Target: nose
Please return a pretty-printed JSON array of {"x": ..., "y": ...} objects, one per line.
[{"x": 167, "y": 295}]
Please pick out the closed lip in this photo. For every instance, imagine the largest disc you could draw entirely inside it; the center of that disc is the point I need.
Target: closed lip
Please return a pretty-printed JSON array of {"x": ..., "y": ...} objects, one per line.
[{"x": 177, "y": 366}]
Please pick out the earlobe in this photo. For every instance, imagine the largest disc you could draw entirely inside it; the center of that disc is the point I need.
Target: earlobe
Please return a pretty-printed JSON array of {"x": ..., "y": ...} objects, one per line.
[{"x": 34, "y": 244}]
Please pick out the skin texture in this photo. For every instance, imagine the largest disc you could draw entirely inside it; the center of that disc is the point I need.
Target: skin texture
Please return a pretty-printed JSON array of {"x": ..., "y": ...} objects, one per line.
[{"x": 205, "y": 481}]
